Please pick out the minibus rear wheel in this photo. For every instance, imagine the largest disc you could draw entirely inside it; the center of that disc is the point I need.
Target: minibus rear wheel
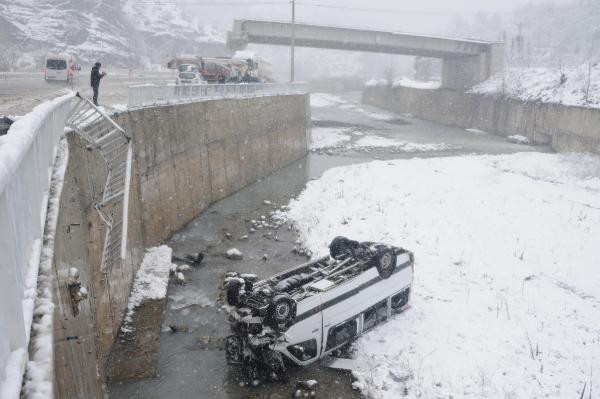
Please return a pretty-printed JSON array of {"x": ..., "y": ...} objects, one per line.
[{"x": 386, "y": 262}]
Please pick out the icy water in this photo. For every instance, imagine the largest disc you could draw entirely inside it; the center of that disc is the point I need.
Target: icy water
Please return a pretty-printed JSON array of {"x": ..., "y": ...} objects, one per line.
[{"x": 192, "y": 360}]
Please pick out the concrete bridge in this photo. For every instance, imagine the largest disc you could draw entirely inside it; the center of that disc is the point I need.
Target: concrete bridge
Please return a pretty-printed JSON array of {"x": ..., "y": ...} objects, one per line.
[{"x": 465, "y": 62}]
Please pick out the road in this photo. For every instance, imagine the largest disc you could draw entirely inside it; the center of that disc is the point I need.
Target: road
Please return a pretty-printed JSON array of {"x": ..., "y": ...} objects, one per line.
[
  {"x": 21, "y": 92},
  {"x": 192, "y": 361}
]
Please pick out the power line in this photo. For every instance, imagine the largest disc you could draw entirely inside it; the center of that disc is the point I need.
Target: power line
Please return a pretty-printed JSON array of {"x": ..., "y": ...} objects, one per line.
[{"x": 396, "y": 11}]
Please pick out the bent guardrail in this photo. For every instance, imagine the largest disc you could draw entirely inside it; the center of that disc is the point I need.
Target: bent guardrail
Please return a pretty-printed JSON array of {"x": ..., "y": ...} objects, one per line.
[
  {"x": 144, "y": 95},
  {"x": 27, "y": 154}
]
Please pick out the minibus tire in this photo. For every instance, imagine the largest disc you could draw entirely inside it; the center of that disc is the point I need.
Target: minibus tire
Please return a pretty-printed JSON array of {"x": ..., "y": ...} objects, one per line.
[
  {"x": 233, "y": 292},
  {"x": 386, "y": 262},
  {"x": 282, "y": 309}
]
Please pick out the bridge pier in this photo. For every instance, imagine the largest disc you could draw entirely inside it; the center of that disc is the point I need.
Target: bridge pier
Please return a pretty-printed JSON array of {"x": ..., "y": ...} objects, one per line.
[{"x": 461, "y": 73}]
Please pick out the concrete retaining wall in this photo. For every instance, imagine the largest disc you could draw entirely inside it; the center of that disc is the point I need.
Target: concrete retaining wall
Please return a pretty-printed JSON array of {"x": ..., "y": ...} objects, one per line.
[
  {"x": 186, "y": 157},
  {"x": 565, "y": 128}
]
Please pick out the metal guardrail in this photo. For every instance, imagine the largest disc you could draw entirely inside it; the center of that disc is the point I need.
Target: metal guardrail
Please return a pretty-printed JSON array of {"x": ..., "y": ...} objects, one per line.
[
  {"x": 27, "y": 154},
  {"x": 145, "y": 95}
]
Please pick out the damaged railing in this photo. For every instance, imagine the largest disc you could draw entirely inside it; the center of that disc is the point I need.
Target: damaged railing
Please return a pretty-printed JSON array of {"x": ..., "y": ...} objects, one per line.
[
  {"x": 157, "y": 94},
  {"x": 114, "y": 145}
]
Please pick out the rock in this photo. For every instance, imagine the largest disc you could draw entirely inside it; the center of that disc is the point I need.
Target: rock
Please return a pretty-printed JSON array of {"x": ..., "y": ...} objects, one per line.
[
  {"x": 267, "y": 202},
  {"x": 234, "y": 254},
  {"x": 265, "y": 257},
  {"x": 252, "y": 230},
  {"x": 183, "y": 268},
  {"x": 228, "y": 236},
  {"x": 180, "y": 278},
  {"x": 244, "y": 237}
]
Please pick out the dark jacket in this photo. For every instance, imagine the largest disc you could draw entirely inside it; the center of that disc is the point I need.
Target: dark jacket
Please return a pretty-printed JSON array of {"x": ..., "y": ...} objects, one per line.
[{"x": 96, "y": 76}]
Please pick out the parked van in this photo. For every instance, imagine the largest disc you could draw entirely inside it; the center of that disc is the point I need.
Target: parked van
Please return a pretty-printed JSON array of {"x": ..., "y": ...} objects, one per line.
[
  {"x": 60, "y": 67},
  {"x": 304, "y": 314}
]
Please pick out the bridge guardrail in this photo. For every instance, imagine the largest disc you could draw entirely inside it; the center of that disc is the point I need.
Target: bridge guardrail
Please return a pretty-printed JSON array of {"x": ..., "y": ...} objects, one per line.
[
  {"x": 27, "y": 154},
  {"x": 144, "y": 95}
]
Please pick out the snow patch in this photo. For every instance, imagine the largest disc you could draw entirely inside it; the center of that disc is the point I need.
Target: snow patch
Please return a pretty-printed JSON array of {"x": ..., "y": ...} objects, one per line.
[
  {"x": 378, "y": 142},
  {"x": 476, "y": 131},
  {"x": 151, "y": 280},
  {"x": 327, "y": 137},
  {"x": 324, "y": 100},
  {"x": 517, "y": 138}
]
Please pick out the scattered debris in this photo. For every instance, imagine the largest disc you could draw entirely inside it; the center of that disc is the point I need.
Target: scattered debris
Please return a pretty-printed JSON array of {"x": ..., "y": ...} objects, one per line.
[
  {"x": 193, "y": 259},
  {"x": 234, "y": 254}
]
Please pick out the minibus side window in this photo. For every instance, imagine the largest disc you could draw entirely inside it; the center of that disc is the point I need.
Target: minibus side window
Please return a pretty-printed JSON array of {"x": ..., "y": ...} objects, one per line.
[
  {"x": 341, "y": 334},
  {"x": 375, "y": 315},
  {"x": 400, "y": 299},
  {"x": 304, "y": 351}
]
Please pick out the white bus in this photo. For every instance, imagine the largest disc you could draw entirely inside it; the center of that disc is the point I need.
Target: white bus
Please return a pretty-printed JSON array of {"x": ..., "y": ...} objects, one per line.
[{"x": 60, "y": 67}]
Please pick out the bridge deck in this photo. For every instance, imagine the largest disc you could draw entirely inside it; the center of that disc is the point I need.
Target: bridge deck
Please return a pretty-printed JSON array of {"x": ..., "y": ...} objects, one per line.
[{"x": 280, "y": 33}]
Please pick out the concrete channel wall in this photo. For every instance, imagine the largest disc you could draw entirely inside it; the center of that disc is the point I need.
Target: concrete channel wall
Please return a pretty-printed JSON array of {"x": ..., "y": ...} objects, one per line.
[
  {"x": 565, "y": 128},
  {"x": 186, "y": 156}
]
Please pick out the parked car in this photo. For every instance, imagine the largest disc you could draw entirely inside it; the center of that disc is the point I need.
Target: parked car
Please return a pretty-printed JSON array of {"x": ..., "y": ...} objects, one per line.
[
  {"x": 305, "y": 313},
  {"x": 192, "y": 77}
]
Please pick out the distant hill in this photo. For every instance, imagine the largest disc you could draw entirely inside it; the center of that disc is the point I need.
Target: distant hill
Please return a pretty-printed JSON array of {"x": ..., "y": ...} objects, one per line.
[{"x": 119, "y": 32}]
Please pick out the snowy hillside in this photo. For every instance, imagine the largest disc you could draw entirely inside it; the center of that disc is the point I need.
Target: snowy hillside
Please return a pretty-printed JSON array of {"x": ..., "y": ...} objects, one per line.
[
  {"x": 573, "y": 86},
  {"x": 122, "y": 32}
]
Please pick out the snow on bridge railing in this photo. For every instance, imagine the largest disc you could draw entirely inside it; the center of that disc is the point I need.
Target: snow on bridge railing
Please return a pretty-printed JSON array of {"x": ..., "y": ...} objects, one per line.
[
  {"x": 27, "y": 156},
  {"x": 145, "y": 95}
]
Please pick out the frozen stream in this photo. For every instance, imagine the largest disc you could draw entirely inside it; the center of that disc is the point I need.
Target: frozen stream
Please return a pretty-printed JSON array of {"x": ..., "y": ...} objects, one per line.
[{"x": 192, "y": 361}]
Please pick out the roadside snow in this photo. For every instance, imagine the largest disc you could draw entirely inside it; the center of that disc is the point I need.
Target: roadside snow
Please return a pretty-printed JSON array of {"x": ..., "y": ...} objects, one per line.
[
  {"x": 20, "y": 136},
  {"x": 327, "y": 137},
  {"x": 324, "y": 100},
  {"x": 506, "y": 297},
  {"x": 39, "y": 377},
  {"x": 580, "y": 86},
  {"x": 10, "y": 385},
  {"x": 151, "y": 280}
]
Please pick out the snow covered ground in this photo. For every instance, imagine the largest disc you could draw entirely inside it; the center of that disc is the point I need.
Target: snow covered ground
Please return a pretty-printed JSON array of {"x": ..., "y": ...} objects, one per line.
[
  {"x": 580, "y": 86},
  {"x": 506, "y": 296}
]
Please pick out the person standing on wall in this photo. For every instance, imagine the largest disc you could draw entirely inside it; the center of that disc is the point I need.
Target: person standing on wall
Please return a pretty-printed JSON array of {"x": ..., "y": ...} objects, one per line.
[{"x": 95, "y": 80}]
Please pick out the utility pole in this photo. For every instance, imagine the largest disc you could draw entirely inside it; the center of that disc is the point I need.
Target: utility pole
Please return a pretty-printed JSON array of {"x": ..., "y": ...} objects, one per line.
[{"x": 293, "y": 41}]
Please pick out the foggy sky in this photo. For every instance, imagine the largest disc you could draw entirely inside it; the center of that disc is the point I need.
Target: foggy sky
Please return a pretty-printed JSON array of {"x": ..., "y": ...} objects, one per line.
[{"x": 222, "y": 16}]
